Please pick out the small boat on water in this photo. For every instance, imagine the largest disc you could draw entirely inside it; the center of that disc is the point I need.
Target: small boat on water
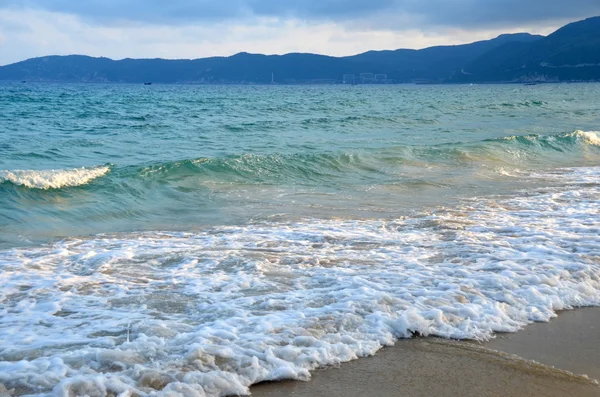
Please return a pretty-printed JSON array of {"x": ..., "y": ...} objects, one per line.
[
  {"x": 530, "y": 83},
  {"x": 148, "y": 83}
]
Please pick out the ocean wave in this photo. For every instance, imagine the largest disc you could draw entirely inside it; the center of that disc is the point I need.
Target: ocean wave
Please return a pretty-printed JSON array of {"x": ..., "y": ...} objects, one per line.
[
  {"x": 211, "y": 313},
  {"x": 589, "y": 137},
  {"x": 389, "y": 164},
  {"x": 569, "y": 138},
  {"x": 381, "y": 163},
  {"x": 52, "y": 179},
  {"x": 266, "y": 169}
]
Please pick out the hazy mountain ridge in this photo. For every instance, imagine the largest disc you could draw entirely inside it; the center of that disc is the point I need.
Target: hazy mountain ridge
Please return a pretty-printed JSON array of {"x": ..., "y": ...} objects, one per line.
[{"x": 570, "y": 53}]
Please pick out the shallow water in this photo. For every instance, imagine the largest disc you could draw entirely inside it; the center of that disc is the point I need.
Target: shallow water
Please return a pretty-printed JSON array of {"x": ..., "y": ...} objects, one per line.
[{"x": 195, "y": 240}]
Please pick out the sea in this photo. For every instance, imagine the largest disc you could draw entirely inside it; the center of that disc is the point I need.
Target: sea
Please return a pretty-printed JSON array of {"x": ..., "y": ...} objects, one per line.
[{"x": 193, "y": 240}]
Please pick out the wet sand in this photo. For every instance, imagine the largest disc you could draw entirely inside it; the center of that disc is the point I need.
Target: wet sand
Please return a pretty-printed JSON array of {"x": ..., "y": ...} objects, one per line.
[
  {"x": 562, "y": 349},
  {"x": 570, "y": 342}
]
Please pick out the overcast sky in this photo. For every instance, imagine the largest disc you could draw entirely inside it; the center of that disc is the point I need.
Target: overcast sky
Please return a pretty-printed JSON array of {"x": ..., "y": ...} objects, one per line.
[{"x": 199, "y": 28}]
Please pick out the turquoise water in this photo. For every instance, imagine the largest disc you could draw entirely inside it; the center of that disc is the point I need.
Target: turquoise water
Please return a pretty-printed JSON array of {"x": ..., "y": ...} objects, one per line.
[
  {"x": 182, "y": 157},
  {"x": 199, "y": 239}
]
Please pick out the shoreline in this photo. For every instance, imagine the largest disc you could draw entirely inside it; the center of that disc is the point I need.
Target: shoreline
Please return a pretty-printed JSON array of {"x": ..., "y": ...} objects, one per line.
[{"x": 558, "y": 358}]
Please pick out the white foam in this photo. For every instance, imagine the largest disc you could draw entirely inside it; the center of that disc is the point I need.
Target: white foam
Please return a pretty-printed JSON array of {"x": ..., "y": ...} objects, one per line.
[
  {"x": 208, "y": 314},
  {"x": 53, "y": 179},
  {"x": 589, "y": 137},
  {"x": 506, "y": 171}
]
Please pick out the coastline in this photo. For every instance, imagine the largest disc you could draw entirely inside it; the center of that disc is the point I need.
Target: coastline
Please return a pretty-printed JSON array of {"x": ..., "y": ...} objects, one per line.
[{"x": 566, "y": 353}]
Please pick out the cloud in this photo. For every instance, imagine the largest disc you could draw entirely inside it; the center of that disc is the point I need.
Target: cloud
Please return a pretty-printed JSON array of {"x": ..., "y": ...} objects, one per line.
[
  {"x": 477, "y": 13},
  {"x": 455, "y": 13},
  {"x": 199, "y": 28}
]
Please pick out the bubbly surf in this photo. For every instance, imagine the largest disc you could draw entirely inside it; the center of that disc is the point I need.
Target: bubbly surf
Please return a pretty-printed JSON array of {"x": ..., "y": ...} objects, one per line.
[
  {"x": 242, "y": 234},
  {"x": 212, "y": 313}
]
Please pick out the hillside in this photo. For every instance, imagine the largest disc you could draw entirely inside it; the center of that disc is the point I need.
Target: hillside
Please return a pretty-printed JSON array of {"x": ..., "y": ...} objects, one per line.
[
  {"x": 570, "y": 53},
  {"x": 430, "y": 64}
]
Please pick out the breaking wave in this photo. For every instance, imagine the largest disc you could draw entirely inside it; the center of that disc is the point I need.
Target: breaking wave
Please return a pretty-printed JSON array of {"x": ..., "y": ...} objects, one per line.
[
  {"x": 565, "y": 149},
  {"x": 384, "y": 164},
  {"x": 52, "y": 179},
  {"x": 567, "y": 139},
  {"x": 590, "y": 137}
]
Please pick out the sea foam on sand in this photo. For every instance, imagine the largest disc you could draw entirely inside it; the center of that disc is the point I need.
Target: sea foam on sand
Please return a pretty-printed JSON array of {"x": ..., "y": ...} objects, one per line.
[{"x": 210, "y": 313}]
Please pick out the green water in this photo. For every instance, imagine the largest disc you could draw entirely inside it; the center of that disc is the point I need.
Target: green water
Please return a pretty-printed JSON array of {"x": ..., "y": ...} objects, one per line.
[
  {"x": 184, "y": 157},
  {"x": 195, "y": 240}
]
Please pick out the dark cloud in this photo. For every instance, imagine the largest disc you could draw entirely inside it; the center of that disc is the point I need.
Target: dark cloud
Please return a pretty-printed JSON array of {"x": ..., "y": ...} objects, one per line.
[
  {"x": 458, "y": 13},
  {"x": 497, "y": 13}
]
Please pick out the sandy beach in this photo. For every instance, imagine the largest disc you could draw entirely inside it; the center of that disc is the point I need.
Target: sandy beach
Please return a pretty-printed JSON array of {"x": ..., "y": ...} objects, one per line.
[{"x": 560, "y": 358}]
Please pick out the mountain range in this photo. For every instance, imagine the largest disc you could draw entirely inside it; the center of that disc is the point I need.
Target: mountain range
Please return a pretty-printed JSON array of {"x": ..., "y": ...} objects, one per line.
[{"x": 572, "y": 53}]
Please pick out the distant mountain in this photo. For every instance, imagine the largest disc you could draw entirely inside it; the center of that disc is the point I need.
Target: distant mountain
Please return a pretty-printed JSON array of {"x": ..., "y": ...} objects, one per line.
[
  {"x": 435, "y": 63},
  {"x": 431, "y": 64},
  {"x": 571, "y": 53}
]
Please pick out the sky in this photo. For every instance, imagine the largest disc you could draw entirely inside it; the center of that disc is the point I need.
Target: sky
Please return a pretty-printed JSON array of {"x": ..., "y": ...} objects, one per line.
[{"x": 186, "y": 29}]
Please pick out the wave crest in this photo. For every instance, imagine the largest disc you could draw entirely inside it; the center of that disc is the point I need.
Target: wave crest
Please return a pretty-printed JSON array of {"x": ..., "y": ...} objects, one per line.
[
  {"x": 52, "y": 179},
  {"x": 589, "y": 137},
  {"x": 388, "y": 164}
]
